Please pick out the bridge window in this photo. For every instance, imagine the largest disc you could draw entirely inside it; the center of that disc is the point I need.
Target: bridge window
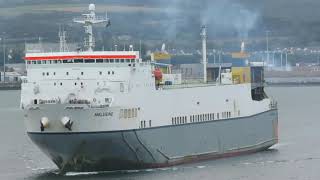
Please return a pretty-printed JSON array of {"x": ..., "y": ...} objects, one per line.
[
  {"x": 78, "y": 61},
  {"x": 81, "y": 73},
  {"x": 89, "y": 60},
  {"x": 100, "y": 72},
  {"x": 99, "y": 61},
  {"x": 68, "y": 61},
  {"x": 111, "y": 60},
  {"x": 47, "y": 73},
  {"x": 43, "y": 74},
  {"x": 112, "y": 72},
  {"x": 67, "y": 73}
]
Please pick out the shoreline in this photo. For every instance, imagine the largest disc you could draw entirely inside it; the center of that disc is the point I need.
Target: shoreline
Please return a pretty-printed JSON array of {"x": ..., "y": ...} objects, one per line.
[{"x": 10, "y": 86}]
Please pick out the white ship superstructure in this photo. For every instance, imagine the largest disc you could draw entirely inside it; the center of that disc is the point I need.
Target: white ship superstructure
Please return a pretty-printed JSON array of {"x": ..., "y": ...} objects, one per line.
[{"x": 106, "y": 110}]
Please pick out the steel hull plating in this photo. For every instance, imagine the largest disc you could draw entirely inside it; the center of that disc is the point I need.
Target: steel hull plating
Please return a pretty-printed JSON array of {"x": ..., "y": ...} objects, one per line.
[{"x": 161, "y": 146}]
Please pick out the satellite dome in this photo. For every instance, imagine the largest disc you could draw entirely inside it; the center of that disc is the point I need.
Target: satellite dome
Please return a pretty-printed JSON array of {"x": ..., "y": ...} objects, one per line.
[{"x": 92, "y": 7}]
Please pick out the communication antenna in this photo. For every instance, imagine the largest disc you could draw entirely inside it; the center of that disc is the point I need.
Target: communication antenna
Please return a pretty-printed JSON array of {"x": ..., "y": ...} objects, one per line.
[
  {"x": 62, "y": 38},
  {"x": 88, "y": 20},
  {"x": 40, "y": 44}
]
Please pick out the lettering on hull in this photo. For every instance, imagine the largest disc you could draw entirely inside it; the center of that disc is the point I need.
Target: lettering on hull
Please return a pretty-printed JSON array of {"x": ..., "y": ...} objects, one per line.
[{"x": 103, "y": 114}]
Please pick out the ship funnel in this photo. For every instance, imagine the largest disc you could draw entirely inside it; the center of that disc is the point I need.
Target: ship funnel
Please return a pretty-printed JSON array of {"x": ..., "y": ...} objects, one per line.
[
  {"x": 163, "y": 47},
  {"x": 203, "y": 35},
  {"x": 243, "y": 48}
]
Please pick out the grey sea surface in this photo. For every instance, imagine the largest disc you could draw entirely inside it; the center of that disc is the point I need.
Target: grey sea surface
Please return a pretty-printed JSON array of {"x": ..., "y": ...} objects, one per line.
[{"x": 297, "y": 156}]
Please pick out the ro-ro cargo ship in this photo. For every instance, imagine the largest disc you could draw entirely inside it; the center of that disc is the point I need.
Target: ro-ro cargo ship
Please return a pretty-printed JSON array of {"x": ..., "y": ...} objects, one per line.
[{"x": 110, "y": 110}]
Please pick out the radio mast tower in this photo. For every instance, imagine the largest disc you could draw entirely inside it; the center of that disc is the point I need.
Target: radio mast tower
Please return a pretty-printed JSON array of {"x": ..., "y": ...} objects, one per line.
[
  {"x": 203, "y": 35},
  {"x": 89, "y": 20}
]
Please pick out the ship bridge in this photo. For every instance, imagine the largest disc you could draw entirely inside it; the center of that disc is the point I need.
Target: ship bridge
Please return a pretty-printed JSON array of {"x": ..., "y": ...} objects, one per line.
[{"x": 83, "y": 57}]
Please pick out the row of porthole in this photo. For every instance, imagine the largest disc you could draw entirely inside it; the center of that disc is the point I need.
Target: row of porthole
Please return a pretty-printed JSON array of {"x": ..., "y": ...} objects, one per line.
[
  {"x": 143, "y": 124},
  {"x": 109, "y": 72},
  {"x": 67, "y": 73},
  {"x": 199, "y": 118},
  {"x": 203, "y": 117},
  {"x": 209, "y": 117},
  {"x": 179, "y": 120},
  {"x": 55, "y": 84}
]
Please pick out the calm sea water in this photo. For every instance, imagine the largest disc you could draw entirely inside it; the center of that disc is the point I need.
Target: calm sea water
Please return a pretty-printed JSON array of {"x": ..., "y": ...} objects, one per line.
[{"x": 297, "y": 156}]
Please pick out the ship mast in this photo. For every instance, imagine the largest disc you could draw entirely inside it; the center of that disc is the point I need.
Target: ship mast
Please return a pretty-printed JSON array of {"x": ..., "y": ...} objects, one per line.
[
  {"x": 89, "y": 20},
  {"x": 63, "y": 41},
  {"x": 203, "y": 35}
]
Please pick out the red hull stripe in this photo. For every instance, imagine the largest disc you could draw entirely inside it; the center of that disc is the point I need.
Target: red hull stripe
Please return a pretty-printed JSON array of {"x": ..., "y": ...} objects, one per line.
[{"x": 81, "y": 57}]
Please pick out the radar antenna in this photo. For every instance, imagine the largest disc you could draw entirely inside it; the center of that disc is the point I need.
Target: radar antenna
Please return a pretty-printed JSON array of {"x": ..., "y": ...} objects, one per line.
[{"x": 89, "y": 20}]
